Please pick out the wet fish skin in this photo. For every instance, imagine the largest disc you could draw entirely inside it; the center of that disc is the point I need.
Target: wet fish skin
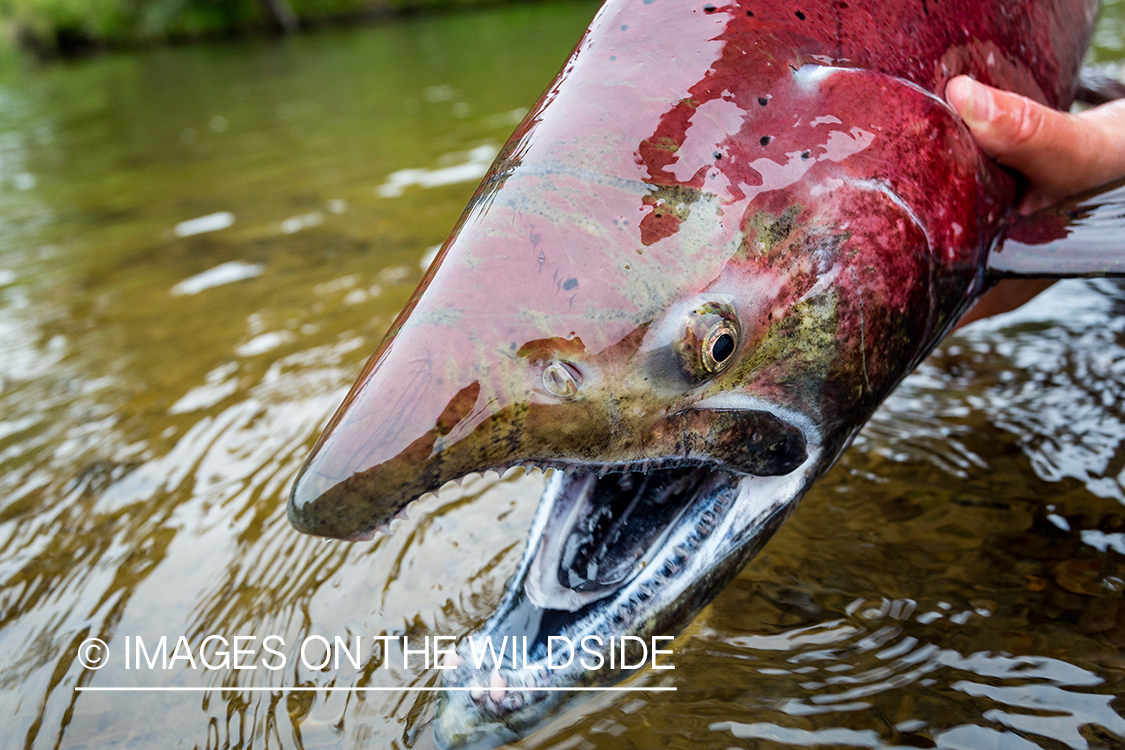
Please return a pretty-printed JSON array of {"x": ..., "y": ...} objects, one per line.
[
  {"x": 598, "y": 187},
  {"x": 789, "y": 171}
]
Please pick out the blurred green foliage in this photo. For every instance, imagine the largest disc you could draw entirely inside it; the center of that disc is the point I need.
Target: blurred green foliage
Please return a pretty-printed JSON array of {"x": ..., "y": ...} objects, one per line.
[{"x": 50, "y": 27}]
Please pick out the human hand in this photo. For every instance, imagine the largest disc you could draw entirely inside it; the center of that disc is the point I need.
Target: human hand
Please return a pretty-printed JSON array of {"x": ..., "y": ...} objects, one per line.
[{"x": 1060, "y": 154}]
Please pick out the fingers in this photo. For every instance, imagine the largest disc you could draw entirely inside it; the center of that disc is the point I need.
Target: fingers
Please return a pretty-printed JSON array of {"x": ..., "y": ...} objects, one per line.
[{"x": 1059, "y": 153}]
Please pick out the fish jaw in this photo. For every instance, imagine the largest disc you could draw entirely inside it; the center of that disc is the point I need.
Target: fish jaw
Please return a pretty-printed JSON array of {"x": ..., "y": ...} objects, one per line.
[{"x": 719, "y": 523}]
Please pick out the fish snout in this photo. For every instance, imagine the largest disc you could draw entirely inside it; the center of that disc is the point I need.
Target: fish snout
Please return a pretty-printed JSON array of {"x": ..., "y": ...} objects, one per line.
[
  {"x": 428, "y": 410},
  {"x": 412, "y": 422}
]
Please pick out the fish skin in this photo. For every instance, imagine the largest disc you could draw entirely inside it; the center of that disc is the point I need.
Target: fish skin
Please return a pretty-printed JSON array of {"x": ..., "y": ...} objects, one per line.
[
  {"x": 793, "y": 167},
  {"x": 603, "y": 175}
]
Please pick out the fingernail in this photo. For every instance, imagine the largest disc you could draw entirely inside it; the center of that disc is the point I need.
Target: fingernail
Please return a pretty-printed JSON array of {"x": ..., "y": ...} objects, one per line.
[{"x": 972, "y": 100}]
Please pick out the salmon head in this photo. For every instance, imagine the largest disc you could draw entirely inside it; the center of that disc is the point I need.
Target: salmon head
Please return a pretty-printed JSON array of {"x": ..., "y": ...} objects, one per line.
[{"x": 685, "y": 295}]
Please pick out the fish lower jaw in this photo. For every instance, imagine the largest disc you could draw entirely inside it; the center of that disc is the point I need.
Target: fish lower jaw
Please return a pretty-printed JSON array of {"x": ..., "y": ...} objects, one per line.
[
  {"x": 500, "y": 691},
  {"x": 520, "y": 682},
  {"x": 660, "y": 545},
  {"x": 657, "y": 570}
]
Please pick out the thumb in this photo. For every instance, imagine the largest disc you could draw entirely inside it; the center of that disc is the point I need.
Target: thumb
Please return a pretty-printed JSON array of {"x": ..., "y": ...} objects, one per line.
[{"x": 1060, "y": 154}]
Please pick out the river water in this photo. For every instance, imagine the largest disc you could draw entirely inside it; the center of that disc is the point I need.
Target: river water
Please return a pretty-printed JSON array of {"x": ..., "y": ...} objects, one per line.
[{"x": 200, "y": 246}]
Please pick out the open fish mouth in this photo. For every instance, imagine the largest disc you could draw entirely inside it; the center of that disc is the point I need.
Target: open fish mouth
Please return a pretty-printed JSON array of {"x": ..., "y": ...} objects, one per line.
[
  {"x": 618, "y": 561},
  {"x": 602, "y": 532}
]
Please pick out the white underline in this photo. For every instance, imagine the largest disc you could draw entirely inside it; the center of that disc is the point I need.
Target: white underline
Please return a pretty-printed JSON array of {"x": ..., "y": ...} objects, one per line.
[{"x": 91, "y": 689}]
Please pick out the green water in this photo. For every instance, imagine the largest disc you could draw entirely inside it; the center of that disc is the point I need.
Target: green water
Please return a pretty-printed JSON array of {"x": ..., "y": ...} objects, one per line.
[{"x": 958, "y": 580}]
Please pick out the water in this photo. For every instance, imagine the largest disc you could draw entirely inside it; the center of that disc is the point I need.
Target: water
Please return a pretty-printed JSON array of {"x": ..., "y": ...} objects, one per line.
[{"x": 199, "y": 247}]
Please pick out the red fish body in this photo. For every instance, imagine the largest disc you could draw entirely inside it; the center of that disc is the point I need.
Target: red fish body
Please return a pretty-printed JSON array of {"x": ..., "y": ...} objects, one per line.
[{"x": 718, "y": 241}]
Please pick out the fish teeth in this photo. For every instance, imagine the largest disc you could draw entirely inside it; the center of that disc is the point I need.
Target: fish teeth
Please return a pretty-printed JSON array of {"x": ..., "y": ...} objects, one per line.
[
  {"x": 496, "y": 685},
  {"x": 401, "y": 515}
]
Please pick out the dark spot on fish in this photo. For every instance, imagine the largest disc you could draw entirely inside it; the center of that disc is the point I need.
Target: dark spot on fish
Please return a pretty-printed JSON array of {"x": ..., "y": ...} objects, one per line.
[
  {"x": 763, "y": 100},
  {"x": 624, "y": 27},
  {"x": 749, "y": 14},
  {"x": 718, "y": 155},
  {"x": 925, "y": 8},
  {"x": 570, "y": 283},
  {"x": 709, "y": 8},
  {"x": 764, "y": 140},
  {"x": 800, "y": 15},
  {"x": 612, "y": 58},
  {"x": 806, "y": 154},
  {"x": 649, "y": 2}
]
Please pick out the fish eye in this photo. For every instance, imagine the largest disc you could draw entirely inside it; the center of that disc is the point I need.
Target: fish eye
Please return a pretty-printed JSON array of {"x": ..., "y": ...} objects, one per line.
[
  {"x": 721, "y": 346},
  {"x": 562, "y": 379},
  {"x": 711, "y": 338}
]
